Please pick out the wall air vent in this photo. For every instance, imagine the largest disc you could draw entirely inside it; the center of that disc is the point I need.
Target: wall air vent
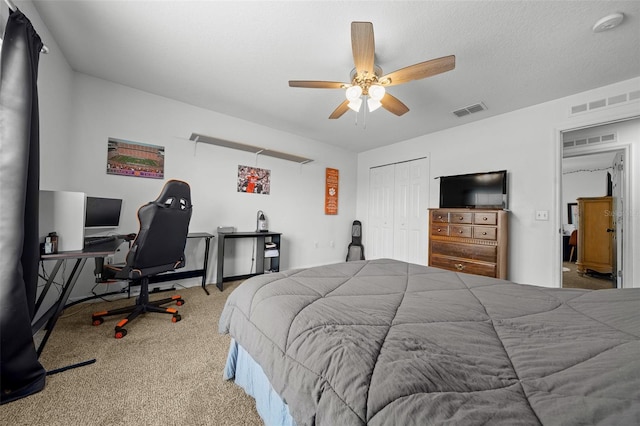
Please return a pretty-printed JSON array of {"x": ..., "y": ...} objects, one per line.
[
  {"x": 606, "y": 102},
  {"x": 589, "y": 140},
  {"x": 470, "y": 109}
]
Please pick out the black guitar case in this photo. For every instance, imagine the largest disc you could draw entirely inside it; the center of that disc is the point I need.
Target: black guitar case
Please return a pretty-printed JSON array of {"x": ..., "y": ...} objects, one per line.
[{"x": 355, "y": 251}]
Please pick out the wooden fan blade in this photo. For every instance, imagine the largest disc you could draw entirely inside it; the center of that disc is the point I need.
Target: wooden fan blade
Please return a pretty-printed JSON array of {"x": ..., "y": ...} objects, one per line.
[
  {"x": 363, "y": 46},
  {"x": 418, "y": 71},
  {"x": 342, "y": 108},
  {"x": 317, "y": 84},
  {"x": 393, "y": 104}
]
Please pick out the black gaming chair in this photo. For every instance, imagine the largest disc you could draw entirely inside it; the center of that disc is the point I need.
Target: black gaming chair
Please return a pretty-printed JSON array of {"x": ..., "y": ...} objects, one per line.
[
  {"x": 158, "y": 247},
  {"x": 355, "y": 251}
]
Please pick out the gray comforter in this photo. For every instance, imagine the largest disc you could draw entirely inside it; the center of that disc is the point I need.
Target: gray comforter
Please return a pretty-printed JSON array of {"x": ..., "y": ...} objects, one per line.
[{"x": 384, "y": 342}]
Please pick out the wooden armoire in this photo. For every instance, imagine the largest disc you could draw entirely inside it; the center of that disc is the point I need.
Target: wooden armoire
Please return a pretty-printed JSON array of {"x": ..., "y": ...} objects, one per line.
[{"x": 595, "y": 235}]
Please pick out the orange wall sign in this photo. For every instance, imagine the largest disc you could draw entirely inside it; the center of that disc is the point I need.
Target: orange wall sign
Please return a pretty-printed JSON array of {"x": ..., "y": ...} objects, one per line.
[{"x": 331, "y": 191}]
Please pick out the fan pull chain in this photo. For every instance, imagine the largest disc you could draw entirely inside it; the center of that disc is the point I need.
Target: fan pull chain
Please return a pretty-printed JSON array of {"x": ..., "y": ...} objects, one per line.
[{"x": 364, "y": 113}]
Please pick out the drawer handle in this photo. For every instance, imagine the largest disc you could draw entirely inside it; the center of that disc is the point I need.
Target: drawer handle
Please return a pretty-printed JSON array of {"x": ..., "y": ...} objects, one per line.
[
  {"x": 439, "y": 230},
  {"x": 439, "y": 217},
  {"x": 459, "y": 266},
  {"x": 484, "y": 233},
  {"x": 485, "y": 218},
  {"x": 461, "y": 231},
  {"x": 461, "y": 218}
]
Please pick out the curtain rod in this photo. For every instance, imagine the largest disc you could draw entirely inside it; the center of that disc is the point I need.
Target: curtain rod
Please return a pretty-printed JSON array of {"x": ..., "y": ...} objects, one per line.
[{"x": 13, "y": 8}]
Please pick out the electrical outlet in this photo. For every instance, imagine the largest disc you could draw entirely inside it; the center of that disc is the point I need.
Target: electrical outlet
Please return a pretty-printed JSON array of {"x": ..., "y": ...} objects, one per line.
[{"x": 542, "y": 215}]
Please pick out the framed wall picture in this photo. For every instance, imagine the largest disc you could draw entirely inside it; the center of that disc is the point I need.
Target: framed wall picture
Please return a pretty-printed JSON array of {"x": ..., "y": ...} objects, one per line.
[
  {"x": 136, "y": 159},
  {"x": 254, "y": 180},
  {"x": 572, "y": 213},
  {"x": 332, "y": 178}
]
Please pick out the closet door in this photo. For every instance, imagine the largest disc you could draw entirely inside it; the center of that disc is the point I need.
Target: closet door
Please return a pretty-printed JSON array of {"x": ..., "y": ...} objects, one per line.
[
  {"x": 398, "y": 212},
  {"x": 381, "y": 188},
  {"x": 410, "y": 212}
]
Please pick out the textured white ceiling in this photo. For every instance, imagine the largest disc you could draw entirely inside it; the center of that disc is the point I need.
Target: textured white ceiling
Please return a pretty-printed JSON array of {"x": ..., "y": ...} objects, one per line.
[{"x": 236, "y": 57}]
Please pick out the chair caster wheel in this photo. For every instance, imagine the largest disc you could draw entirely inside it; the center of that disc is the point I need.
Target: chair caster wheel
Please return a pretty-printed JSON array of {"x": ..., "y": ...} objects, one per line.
[
  {"x": 180, "y": 302},
  {"x": 120, "y": 333},
  {"x": 98, "y": 320},
  {"x": 176, "y": 318}
]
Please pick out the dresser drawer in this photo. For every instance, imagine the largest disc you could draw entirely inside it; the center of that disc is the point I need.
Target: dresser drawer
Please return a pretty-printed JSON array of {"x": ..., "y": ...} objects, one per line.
[
  {"x": 486, "y": 269},
  {"x": 440, "y": 216},
  {"x": 487, "y": 218},
  {"x": 485, "y": 232},
  {"x": 464, "y": 217},
  {"x": 440, "y": 229},
  {"x": 466, "y": 251},
  {"x": 463, "y": 231}
]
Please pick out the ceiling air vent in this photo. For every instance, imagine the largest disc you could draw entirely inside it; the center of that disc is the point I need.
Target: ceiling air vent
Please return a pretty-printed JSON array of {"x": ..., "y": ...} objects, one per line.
[{"x": 470, "y": 109}]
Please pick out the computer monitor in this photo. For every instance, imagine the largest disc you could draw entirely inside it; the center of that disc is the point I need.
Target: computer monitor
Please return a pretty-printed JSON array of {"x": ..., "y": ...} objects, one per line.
[{"x": 102, "y": 212}]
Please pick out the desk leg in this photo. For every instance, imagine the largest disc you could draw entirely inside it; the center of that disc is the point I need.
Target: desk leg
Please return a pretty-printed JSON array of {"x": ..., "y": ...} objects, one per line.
[
  {"x": 207, "y": 240},
  {"x": 260, "y": 255},
  {"x": 220, "y": 263},
  {"x": 59, "y": 305},
  {"x": 45, "y": 290}
]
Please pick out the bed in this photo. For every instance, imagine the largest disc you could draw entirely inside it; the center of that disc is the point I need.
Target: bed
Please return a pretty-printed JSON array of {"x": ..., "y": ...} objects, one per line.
[{"x": 383, "y": 342}]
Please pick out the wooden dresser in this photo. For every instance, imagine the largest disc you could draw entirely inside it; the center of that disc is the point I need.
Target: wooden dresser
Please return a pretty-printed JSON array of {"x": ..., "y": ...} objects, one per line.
[
  {"x": 595, "y": 235},
  {"x": 473, "y": 241}
]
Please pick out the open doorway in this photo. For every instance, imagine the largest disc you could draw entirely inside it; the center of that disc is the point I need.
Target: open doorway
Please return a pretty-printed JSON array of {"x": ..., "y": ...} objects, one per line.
[{"x": 593, "y": 201}]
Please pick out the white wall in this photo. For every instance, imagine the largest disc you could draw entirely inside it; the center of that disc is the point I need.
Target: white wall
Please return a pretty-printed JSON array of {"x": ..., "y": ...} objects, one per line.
[
  {"x": 581, "y": 184},
  {"x": 584, "y": 176},
  {"x": 295, "y": 206},
  {"x": 79, "y": 113},
  {"x": 55, "y": 91},
  {"x": 526, "y": 143}
]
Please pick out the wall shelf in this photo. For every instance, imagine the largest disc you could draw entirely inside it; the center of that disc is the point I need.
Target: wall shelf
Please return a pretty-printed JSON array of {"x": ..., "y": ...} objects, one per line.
[{"x": 196, "y": 137}]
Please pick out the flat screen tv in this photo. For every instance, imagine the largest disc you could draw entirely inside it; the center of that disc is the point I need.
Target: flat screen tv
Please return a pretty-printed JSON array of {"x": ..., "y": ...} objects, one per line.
[
  {"x": 475, "y": 190},
  {"x": 102, "y": 212}
]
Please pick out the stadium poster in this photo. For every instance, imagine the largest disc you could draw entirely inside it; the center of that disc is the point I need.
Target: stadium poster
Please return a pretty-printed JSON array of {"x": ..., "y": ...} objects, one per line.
[
  {"x": 254, "y": 180},
  {"x": 128, "y": 158}
]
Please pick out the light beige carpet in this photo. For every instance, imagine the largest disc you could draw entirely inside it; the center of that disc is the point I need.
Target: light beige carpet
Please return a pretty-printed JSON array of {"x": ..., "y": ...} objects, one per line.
[{"x": 161, "y": 373}]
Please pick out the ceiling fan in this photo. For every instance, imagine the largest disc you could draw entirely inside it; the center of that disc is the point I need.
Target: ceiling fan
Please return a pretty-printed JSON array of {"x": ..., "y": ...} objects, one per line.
[{"x": 367, "y": 79}]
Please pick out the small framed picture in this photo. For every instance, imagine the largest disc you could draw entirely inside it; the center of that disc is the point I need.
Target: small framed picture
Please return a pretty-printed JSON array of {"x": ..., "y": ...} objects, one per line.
[
  {"x": 254, "y": 180},
  {"x": 572, "y": 212}
]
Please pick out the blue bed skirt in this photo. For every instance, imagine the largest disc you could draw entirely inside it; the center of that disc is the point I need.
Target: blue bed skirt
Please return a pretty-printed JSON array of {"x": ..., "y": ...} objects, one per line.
[{"x": 249, "y": 376}]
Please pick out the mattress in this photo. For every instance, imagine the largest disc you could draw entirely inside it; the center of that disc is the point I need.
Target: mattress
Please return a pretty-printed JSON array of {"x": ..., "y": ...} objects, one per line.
[{"x": 384, "y": 342}]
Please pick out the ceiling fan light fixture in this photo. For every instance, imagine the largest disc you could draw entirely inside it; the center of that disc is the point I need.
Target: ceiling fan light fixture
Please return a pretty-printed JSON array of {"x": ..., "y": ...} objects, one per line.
[
  {"x": 355, "y": 104},
  {"x": 353, "y": 93},
  {"x": 373, "y": 104},
  {"x": 376, "y": 92}
]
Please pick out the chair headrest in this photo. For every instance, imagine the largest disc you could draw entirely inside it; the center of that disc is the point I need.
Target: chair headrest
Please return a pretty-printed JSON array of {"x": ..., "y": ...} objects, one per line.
[{"x": 175, "y": 194}]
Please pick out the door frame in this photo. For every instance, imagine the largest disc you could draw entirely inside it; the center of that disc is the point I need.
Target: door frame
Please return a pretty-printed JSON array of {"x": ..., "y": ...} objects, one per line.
[
  {"x": 627, "y": 253},
  {"x": 624, "y": 149}
]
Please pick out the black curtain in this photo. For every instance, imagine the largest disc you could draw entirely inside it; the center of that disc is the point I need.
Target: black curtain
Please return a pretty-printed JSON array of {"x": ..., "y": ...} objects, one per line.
[{"x": 21, "y": 372}]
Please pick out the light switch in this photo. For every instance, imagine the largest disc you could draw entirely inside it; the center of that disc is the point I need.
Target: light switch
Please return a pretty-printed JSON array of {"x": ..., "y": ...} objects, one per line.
[{"x": 542, "y": 215}]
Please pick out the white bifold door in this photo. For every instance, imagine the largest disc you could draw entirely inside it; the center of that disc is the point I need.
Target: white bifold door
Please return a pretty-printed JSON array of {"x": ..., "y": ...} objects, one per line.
[{"x": 398, "y": 217}]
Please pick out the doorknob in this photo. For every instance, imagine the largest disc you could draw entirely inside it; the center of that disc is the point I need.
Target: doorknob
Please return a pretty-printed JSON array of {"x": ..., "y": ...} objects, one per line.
[{"x": 611, "y": 230}]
